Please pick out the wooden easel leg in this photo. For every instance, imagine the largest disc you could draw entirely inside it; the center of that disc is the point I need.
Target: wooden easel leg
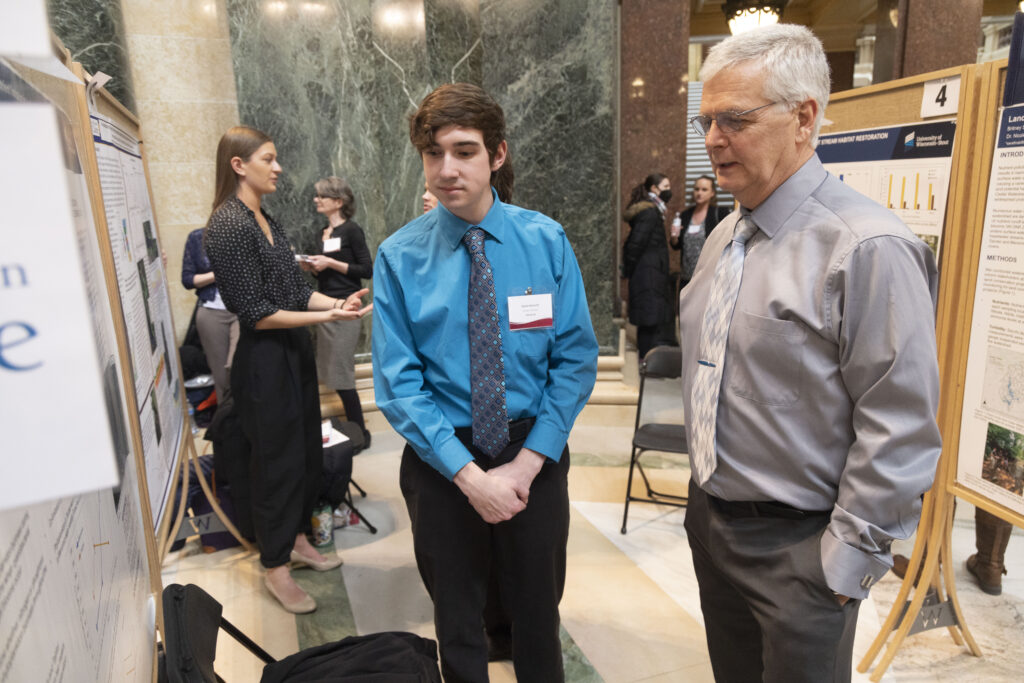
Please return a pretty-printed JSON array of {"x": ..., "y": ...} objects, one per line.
[
  {"x": 949, "y": 574},
  {"x": 168, "y": 541},
  {"x": 194, "y": 459},
  {"x": 920, "y": 546}
]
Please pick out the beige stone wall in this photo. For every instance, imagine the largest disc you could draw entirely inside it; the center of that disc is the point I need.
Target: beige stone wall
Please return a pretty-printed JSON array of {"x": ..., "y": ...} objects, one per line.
[{"x": 180, "y": 57}]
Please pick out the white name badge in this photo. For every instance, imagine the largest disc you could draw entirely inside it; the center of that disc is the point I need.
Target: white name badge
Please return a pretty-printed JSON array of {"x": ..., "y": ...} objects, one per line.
[
  {"x": 530, "y": 312},
  {"x": 332, "y": 244}
]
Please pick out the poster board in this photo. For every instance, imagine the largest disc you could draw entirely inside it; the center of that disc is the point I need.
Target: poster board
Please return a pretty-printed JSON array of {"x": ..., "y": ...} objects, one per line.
[
  {"x": 140, "y": 280},
  {"x": 989, "y": 356},
  {"x": 77, "y": 573}
]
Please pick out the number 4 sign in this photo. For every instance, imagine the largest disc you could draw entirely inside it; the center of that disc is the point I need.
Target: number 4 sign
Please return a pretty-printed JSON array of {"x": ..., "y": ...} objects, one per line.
[{"x": 941, "y": 97}]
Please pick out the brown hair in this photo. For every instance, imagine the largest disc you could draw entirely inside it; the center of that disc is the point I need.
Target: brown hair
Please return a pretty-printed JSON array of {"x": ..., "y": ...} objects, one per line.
[
  {"x": 639, "y": 193},
  {"x": 713, "y": 202},
  {"x": 337, "y": 188},
  {"x": 241, "y": 142},
  {"x": 468, "y": 106}
]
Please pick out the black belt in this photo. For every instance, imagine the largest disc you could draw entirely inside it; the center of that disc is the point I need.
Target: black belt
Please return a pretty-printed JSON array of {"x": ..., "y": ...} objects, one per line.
[
  {"x": 763, "y": 508},
  {"x": 518, "y": 430}
]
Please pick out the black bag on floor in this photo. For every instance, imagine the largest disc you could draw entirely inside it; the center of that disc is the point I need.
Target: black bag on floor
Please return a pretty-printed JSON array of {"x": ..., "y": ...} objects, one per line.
[
  {"x": 389, "y": 657},
  {"x": 193, "y": 620}
]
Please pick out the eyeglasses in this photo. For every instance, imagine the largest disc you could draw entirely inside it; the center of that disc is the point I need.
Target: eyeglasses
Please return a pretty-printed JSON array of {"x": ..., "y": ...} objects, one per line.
[{"x": 728, "y": 121}]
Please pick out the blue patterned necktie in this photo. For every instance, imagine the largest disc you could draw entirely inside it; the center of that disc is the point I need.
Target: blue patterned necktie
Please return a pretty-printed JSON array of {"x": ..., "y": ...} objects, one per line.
[
  {"x": 714, "y": 333},
  {"x": 486, "y": 367}
]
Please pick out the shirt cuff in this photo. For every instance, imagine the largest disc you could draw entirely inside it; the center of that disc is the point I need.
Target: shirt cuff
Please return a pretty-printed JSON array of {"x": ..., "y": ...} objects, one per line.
[
  {"x": 546, "y": 439},
  {"x": 849, "y": 571},
  {"x": 451, "y": 456}
]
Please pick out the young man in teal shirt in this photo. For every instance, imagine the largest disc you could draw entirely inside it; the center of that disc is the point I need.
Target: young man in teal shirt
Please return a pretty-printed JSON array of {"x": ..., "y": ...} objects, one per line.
[{"x": 483, "y": 356}]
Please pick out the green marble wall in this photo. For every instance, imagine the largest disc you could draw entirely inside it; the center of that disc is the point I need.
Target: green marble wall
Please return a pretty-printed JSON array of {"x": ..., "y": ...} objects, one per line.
[
  {"x": 334, "y": 81},
  {"x": 93, "y": 31}
]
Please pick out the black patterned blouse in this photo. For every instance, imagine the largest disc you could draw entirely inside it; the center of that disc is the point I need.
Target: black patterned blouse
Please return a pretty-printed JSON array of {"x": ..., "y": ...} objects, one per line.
[{"x": 255, "y": 278}]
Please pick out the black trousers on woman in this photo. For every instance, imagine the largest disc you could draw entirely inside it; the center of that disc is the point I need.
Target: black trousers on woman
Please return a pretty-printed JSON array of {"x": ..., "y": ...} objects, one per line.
[
  {"x": 455, "y": 549},
  {"x": 273, "y": 380}
]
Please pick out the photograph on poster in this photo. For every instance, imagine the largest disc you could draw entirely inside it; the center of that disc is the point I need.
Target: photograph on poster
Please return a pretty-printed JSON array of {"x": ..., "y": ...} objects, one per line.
[
  {"x": 989, "y": 460},
  {"x": 1004, "y": 459}
]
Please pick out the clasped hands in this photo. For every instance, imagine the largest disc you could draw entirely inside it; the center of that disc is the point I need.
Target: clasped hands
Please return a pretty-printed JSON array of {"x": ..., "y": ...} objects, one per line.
[{"x": 499, "y": 494}]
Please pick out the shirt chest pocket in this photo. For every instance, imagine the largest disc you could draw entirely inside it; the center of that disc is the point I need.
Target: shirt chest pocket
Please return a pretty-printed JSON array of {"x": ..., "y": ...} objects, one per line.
[{"x": 767, "y": 363}]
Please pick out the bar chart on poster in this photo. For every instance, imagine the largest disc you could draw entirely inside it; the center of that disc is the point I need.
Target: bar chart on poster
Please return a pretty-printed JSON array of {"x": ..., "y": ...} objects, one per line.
[{"x": 904, "y": 168}]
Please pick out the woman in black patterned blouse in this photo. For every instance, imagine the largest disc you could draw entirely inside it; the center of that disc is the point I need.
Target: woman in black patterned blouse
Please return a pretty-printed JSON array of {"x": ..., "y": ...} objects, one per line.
[{"x": 273, "y": 377}]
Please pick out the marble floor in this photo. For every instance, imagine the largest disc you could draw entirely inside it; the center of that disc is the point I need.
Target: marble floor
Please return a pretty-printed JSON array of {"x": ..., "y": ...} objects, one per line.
[{"x": 630, "y": 610}]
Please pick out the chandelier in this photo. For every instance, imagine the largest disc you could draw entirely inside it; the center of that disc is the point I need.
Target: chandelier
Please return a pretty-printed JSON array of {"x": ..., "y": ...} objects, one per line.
[{"x": 744, "y": 15}]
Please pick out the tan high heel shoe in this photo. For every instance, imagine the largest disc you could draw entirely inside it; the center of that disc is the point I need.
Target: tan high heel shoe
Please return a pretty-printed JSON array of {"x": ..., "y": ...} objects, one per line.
[
  {"x": 329, "y": 562},
  {"x": 304, "y": 605}
]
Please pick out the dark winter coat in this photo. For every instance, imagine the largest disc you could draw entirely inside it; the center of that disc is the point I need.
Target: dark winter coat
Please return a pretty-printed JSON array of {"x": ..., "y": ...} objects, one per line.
[{"x": 645, "y": 263}]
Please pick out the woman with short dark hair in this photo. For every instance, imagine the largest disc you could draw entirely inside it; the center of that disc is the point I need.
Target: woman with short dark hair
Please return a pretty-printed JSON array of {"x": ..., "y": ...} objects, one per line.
[{"x": 339, "y": 270}]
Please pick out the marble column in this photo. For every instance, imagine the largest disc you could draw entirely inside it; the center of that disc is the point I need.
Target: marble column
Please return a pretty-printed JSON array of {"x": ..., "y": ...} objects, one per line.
[
  {"x": 185, "y": 94},
  {"x": 655, "y": 37},
  {"x": 93, "y": 32},
  {"x": 333, "y": 82},
  {"x": 936, "y": 34}
]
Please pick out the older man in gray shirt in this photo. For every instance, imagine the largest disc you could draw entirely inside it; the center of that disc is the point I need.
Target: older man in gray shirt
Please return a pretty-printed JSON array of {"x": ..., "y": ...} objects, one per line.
[{"x": 812, "y": 386}]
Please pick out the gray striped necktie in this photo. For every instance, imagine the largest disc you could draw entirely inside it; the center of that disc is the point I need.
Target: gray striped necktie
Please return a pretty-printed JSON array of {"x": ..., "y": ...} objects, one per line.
[{"x": 714, "y": 333}]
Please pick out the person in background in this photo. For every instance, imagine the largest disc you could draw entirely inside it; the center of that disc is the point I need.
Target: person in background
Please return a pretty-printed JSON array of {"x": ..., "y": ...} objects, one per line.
[
  {"x": 429, "y": 200},
  {"x": 273, "y": 376},
  {"x": 339, "y": 271},
  {"x": 693, "y": 225},
  {"x": 216, "y": 325},
  {"x": 483, "y": 355},
  {"x": 645, "y": 260}
]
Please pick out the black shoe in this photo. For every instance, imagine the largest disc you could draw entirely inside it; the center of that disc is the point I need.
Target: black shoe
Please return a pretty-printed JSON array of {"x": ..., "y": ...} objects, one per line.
[{"x": 367, "y": 437}]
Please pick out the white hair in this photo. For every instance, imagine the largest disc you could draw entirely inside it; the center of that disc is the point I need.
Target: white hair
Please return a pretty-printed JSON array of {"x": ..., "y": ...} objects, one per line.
[{"x": 791, "y": 59}]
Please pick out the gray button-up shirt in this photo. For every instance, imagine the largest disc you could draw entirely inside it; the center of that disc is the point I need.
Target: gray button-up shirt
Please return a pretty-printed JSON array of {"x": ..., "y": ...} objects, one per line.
[{"x": 830, "y": 385}]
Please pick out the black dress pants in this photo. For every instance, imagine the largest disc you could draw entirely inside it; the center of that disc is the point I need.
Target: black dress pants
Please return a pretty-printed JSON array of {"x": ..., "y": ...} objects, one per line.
[
  {"x": 455, "y": 549},
  {"x": 769, "y": 615},
  {"x": 273, "y": 380}
]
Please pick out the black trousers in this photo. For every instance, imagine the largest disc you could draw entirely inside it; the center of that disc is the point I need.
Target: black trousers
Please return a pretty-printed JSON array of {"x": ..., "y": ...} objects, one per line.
[
  {"x": 768, "y": 613},
  {"x": 455, "y": 549},
  {"x": 273, "y": 381}
]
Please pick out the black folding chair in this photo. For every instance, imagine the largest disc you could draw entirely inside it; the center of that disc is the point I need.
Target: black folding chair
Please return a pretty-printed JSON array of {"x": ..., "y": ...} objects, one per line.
[
  {"x": 661, "y": 362},
  {"x": 192, "y": 620}
]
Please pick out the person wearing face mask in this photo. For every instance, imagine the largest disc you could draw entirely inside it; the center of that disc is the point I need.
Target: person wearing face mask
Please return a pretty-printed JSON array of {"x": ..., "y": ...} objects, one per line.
[{"x": 645, "y": 260}]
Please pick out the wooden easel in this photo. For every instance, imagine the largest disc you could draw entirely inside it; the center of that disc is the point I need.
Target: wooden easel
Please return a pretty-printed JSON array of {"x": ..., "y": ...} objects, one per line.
[
  {"x": 935, "y": 603},
  {"x": 191, "y": 460}
]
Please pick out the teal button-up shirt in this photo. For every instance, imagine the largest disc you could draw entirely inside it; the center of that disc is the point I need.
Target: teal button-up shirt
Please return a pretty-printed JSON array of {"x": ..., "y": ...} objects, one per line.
[{"x": 421, "y": 340}]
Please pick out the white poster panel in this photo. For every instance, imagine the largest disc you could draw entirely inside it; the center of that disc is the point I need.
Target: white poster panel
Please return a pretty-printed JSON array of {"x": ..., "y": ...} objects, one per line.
[
  {"x": 904, "y": 168},
  {"x": 142, "y": 284},
  {"x": 75, "y": 600},
  {"x": 991, "y": 455},
  {"x": 47, "y": 344}
]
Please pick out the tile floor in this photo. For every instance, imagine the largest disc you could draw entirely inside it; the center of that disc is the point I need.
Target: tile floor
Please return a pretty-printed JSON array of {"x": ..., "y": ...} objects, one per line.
[{"x": 630, "y": 610}]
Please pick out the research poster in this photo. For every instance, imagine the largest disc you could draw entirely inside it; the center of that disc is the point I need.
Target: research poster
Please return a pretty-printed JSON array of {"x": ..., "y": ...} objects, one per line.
[
  {"x": 48, "y": 340},
  {"x": 75, "y": 594},
  {"x": 904, "y": 168},
  {"x": 991, "y": 453},
  {"x": 75, "y": 600},
  {"x": 142, "y": 283}
]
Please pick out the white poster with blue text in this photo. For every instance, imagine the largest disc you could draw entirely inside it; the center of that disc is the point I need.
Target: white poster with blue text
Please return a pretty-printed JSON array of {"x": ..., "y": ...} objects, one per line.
[
  {"x": 53, "y": 417},
  {"x": 991, "y": 455},
  {"x": 904, "y": 168}
]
